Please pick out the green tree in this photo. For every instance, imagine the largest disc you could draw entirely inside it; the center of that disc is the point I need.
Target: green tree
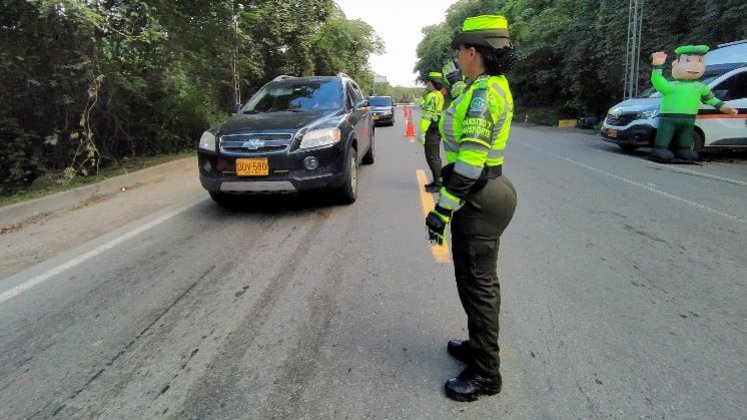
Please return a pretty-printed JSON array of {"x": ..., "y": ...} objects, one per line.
[
  {"x": 87, "y": 83},
  {"x": 343, "y": 45}
]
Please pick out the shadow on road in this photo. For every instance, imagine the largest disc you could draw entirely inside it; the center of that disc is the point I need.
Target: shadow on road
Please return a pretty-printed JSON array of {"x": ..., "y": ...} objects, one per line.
[
  {"x": 737, "y": 156},
  {"x": 277, "y": 204},
  {"x": 723, "y": 156}
]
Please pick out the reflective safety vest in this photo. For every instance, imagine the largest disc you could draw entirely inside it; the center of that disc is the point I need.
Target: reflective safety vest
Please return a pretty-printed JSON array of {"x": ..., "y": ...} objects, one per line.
[
  {"x": 434, "y": 104},
  {"x": 475, "y": 128}
]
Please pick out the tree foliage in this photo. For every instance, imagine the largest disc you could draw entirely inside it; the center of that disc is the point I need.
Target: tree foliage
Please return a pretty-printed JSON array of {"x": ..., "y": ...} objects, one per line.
[
  {"x": 88, "y": 82},
  {"x": 571, "y": 53}
]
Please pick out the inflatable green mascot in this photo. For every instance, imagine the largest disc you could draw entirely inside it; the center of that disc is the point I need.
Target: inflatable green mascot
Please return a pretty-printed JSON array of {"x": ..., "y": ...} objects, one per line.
[{"x": 680, "y": 102}]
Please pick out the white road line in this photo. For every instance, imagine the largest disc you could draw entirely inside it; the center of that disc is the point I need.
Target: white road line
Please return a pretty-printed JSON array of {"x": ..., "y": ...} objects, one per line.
[
  {"x": 34, "y": 281},
  {"x": 645, "y": 187},
  {"x": 703, "y": 174}
]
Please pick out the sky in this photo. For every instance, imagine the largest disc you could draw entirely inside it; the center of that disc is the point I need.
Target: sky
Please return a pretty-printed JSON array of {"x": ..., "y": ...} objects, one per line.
[{"x": 399, "y": 24}]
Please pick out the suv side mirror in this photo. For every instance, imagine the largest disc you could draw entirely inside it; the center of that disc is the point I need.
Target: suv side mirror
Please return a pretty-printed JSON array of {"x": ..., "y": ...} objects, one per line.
[{"x": 363, "y": 103}]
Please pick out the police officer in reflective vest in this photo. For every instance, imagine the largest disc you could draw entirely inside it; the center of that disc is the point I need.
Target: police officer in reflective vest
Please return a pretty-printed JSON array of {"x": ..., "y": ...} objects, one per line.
[
  {"x": 428, "y": 135},
  {"x": 476, "y": 199}
]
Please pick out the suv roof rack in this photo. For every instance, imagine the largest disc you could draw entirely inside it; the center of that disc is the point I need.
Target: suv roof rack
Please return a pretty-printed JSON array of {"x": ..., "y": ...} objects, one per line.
[{"x": 283, "y": 77}]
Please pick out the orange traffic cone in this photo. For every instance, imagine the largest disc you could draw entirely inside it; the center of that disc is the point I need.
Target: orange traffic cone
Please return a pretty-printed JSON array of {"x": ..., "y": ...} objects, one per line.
[{"x": 409, "y": 130}]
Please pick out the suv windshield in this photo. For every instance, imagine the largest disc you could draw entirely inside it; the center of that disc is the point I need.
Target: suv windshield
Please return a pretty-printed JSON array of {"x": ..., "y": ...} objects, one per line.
[
  {"x": 298, "y": 95},
  {"x": 380, "y": 101}
]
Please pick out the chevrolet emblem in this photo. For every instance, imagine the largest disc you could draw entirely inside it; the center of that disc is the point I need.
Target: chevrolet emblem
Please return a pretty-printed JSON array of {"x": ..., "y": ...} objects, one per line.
[{"x": 253, "y": 144}]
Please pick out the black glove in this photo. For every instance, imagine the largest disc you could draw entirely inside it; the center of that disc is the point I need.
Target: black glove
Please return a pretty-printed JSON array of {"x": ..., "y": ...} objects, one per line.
[{"x": 436, "y": 223}]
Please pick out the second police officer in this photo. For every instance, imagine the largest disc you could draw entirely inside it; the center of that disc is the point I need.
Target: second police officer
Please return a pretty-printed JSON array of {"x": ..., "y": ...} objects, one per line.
[{"x": 428, "y": 135}]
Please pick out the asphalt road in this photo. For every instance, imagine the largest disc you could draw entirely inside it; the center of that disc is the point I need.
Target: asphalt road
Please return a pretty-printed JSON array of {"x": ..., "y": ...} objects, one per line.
[{"x": 623, "y": 285}]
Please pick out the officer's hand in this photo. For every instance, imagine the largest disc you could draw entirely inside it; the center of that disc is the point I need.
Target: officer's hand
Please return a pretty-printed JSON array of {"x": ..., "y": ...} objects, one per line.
[
  {"x": 420, "y": 138},
  {"x": 658, "y": 58},
  {"x": 436, "y": 223}
]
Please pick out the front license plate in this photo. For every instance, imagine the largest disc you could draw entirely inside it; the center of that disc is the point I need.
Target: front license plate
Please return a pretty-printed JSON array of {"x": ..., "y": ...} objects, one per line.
[
  {"x": 252, "y": 167},
  {"x": 375, "y": 117},
  {"x": 612, "y": 133}
]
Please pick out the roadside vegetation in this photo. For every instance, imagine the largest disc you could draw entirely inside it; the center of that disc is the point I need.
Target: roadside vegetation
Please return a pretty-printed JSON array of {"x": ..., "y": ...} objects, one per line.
[
  {"x": 87, "y": 83},
  {"x": 571, "y": 53}
]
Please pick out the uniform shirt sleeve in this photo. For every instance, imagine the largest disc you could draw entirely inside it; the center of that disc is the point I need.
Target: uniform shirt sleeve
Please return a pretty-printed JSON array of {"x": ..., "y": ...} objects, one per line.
[
  {"x": 477, "y": 130},
  {"x": 428, "y": 110}
]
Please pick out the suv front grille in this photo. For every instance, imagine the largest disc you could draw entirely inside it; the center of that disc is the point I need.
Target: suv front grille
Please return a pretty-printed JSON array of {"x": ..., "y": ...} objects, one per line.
[
  {"x": 254, "y": 143},
  {"x": 622, "y": 119}
]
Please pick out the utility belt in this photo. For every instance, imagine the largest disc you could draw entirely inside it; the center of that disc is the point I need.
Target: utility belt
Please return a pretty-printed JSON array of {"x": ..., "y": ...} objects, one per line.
[{"x": 488, "y": 172}]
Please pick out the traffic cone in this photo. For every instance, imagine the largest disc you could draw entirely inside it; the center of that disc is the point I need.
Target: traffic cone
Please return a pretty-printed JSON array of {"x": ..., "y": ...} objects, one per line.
[{"x": 409, "y": 130}]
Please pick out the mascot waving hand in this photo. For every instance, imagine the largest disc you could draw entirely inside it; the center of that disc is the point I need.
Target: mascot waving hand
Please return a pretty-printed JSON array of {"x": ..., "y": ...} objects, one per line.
[{"x": 680, "y": 102}]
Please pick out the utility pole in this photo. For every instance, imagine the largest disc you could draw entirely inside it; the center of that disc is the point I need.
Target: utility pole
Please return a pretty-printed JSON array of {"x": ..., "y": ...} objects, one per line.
[
  {"x": 633, "y": 49},
  {"x": 235, "y": 58}
]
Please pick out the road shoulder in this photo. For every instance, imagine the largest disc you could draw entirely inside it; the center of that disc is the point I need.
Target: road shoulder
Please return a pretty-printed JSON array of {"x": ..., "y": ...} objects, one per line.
[{"x": 41, "y": 228}]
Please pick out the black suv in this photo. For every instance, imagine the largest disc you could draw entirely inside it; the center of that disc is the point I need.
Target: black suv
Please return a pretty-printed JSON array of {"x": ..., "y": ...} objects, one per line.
[
  {"x": 295, "y": 134},
  {"x": 382, "y": 108}
]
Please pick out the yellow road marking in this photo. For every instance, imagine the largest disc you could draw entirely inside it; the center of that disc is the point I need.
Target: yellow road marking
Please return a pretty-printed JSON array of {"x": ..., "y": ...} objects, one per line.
[{"x": 440, "y": 252}]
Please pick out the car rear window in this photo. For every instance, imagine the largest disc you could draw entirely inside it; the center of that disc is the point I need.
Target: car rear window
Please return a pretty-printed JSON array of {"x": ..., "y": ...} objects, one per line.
[
  {"x": 380, "y": 101},
  {"x": 302, "y": 95}
]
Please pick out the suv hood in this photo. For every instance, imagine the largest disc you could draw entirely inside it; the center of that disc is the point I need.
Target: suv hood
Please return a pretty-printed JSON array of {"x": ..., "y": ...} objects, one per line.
[
  {"x": 272, "y": 121},
  {"x": 636, "y": 104},
  {"x": 381, "y": 108}
]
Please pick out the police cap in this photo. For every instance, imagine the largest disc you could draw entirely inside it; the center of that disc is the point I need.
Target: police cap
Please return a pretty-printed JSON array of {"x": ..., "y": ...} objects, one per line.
[{"x": 486, "y": 30}]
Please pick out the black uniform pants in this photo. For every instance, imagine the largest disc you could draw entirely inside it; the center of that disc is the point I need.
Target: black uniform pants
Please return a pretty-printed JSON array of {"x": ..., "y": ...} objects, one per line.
[
  {"x": 432, "y": 148},
  {"x": 476, "y": 230}
]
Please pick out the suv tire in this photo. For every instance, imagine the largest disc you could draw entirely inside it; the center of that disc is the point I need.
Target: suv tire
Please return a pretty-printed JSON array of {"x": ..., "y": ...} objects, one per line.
[
  {"x": 698, "y": 142},
  {"x": 349, "y": 189}
]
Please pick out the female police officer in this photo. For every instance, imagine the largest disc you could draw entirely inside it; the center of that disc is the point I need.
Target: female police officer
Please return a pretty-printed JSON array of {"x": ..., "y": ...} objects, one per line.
[{"x": 476, "y": 198}]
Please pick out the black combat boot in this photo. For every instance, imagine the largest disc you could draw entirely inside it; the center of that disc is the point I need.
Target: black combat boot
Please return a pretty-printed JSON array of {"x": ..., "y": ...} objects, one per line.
[
  {"x": 459, "y": 350},
  {"x": 469, "y": 385}
]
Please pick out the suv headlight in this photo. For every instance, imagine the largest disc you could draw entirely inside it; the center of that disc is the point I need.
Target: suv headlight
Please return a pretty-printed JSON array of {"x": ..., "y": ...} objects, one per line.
[
  {"x": 320, "y": 137},
  {"x": 207, "y": 141},
  {"x": 649, "y": 113}
]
